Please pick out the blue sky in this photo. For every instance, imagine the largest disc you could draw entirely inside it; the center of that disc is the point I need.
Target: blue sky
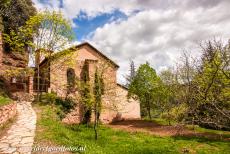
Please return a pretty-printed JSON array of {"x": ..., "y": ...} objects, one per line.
[
  {"x": 157, "y": 31},
  {"x": 85, "y": 26}
]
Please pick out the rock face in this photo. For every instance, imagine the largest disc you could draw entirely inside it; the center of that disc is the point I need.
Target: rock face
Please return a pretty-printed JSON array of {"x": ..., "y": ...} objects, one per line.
[
  {"x": 12, "y": 60},
  {"x": 15, "y": 59}
]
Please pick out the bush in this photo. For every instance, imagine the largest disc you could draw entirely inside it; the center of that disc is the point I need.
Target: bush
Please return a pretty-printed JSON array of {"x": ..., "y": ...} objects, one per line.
[
  {"x": 176, "y": 113},
  {"x": 65, "y": 104},
  {"x": 49, "y": 98},
  {"x": 4, "y": 100}
]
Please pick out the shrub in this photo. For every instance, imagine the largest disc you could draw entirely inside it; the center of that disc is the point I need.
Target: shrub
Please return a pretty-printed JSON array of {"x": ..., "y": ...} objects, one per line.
[
  {"x": 65, "y": 104},
  {"x": 4, "y": 100},
  {"x": 49, "y": 98},
  {"x": 176, "y": 113}
]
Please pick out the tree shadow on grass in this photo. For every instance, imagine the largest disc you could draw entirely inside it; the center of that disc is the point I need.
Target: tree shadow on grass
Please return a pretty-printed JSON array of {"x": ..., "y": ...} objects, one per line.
[{"x": 176, "y": 131}]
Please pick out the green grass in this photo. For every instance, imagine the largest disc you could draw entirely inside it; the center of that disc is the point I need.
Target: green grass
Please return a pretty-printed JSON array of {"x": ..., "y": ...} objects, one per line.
[
  {"x": 4, "y": 100},
  {"x": 161, "y": 121},
  {"x": 49, "y": 128}
]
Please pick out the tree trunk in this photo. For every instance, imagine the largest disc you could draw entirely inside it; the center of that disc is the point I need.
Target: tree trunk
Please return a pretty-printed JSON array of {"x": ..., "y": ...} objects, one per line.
[
  {"x": 95, "y": 124},
  {"x": 169, "y": 121},
  {"x": 95, "y": 121},
  {"x": 149, "y": 110},
  {"x": 38, "y": 83}
]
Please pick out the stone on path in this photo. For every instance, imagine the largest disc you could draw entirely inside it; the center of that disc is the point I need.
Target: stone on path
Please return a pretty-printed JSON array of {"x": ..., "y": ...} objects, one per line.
[{"x": 20, "y": 137}]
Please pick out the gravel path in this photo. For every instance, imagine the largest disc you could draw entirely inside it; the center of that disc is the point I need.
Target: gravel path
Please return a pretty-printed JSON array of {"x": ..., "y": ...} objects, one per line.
[{"x": 20, "y": 137}]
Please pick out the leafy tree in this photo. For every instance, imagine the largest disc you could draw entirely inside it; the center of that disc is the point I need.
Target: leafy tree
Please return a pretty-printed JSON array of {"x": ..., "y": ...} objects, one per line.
[
  {"x": 144, "y": 87},
  {"x": 15, "y": 13},
  {"x": 201, "y": 91},
  {"x": 168, "y": 95},
  {"x": 212, "y": 87},
  {"x": 43, "y": 34}
]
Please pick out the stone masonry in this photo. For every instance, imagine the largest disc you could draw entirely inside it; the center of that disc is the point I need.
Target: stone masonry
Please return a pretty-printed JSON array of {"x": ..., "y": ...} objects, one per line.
[
  {"x": 20, "y": 137},
  {"x": 7, "y": 112}
]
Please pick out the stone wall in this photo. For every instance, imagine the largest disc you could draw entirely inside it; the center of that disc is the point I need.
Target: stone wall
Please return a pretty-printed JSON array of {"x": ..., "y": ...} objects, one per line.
[
  {"x": 127, "y": 108},
  {"x": 7, "y": 112}
]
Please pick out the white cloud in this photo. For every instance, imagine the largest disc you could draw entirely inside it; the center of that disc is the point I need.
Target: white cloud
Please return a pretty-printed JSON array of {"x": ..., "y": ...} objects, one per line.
[
  {"x": 159, "y": 36},
  {"x": 157, "y": 33},
  {"x": 93, "y": 8}
]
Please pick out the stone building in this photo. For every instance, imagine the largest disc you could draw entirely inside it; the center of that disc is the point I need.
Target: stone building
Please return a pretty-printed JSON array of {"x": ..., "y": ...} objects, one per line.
[{"x": 85, "y": 57}]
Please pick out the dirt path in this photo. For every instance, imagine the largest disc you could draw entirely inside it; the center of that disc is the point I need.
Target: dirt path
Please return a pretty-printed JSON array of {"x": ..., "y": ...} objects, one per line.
[
  {"x": 20, "y": 137},
  {"x": 160, "y": 130}
]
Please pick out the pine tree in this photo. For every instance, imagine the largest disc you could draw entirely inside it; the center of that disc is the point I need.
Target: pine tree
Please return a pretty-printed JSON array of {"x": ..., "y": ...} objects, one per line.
[{"x": 132, "y": 73}]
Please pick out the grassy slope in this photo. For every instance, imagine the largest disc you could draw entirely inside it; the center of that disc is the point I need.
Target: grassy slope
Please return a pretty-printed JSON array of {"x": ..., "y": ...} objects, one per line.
[
  {"x": 117, "y": 142},
  {"x": 4, "y": 100}
]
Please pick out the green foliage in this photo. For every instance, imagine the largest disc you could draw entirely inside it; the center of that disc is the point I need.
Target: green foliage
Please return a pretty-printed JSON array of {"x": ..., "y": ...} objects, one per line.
[
  {"x": 144, "y": 87},
  {"x": 46, "y": 31},
  {"x": 14, "y": 13},
  {"x": 212, "y": 101},
  {"x": 176, "y": 113},
  {"x": 98, "y": 92},
  {"x": 4, "y": 100},
  {"x": 86, "y": 94},
  {"x": 16, "y": 42},
  {"x": 168, "y": 96},
  {"x": 198, "y": 91},
  {"x": 63, "y": 106},
  {"x": 49, "y": 98}
]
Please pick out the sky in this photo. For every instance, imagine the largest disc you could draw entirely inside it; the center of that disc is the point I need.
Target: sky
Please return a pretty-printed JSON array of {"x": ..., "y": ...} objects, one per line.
[{"x": 157, "y": 31}]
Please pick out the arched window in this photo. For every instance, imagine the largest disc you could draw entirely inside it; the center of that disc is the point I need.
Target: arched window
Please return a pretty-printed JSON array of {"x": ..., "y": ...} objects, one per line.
[{"x": 71, "y": 80}]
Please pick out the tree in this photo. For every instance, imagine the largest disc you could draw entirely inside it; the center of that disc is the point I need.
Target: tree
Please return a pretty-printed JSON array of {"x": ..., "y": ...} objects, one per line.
[
  {"x": 44, "y": 34},
  {"x": 132, "y": 72},
  {"x": 202, "y": 87},
  {"x": 98, "y": 92},
  {"x": 169, "y": 87},
  {"x": 15, "y": 13},
  {"x": 212, "y": 87},
  {"x": 144, "y": 87}
]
